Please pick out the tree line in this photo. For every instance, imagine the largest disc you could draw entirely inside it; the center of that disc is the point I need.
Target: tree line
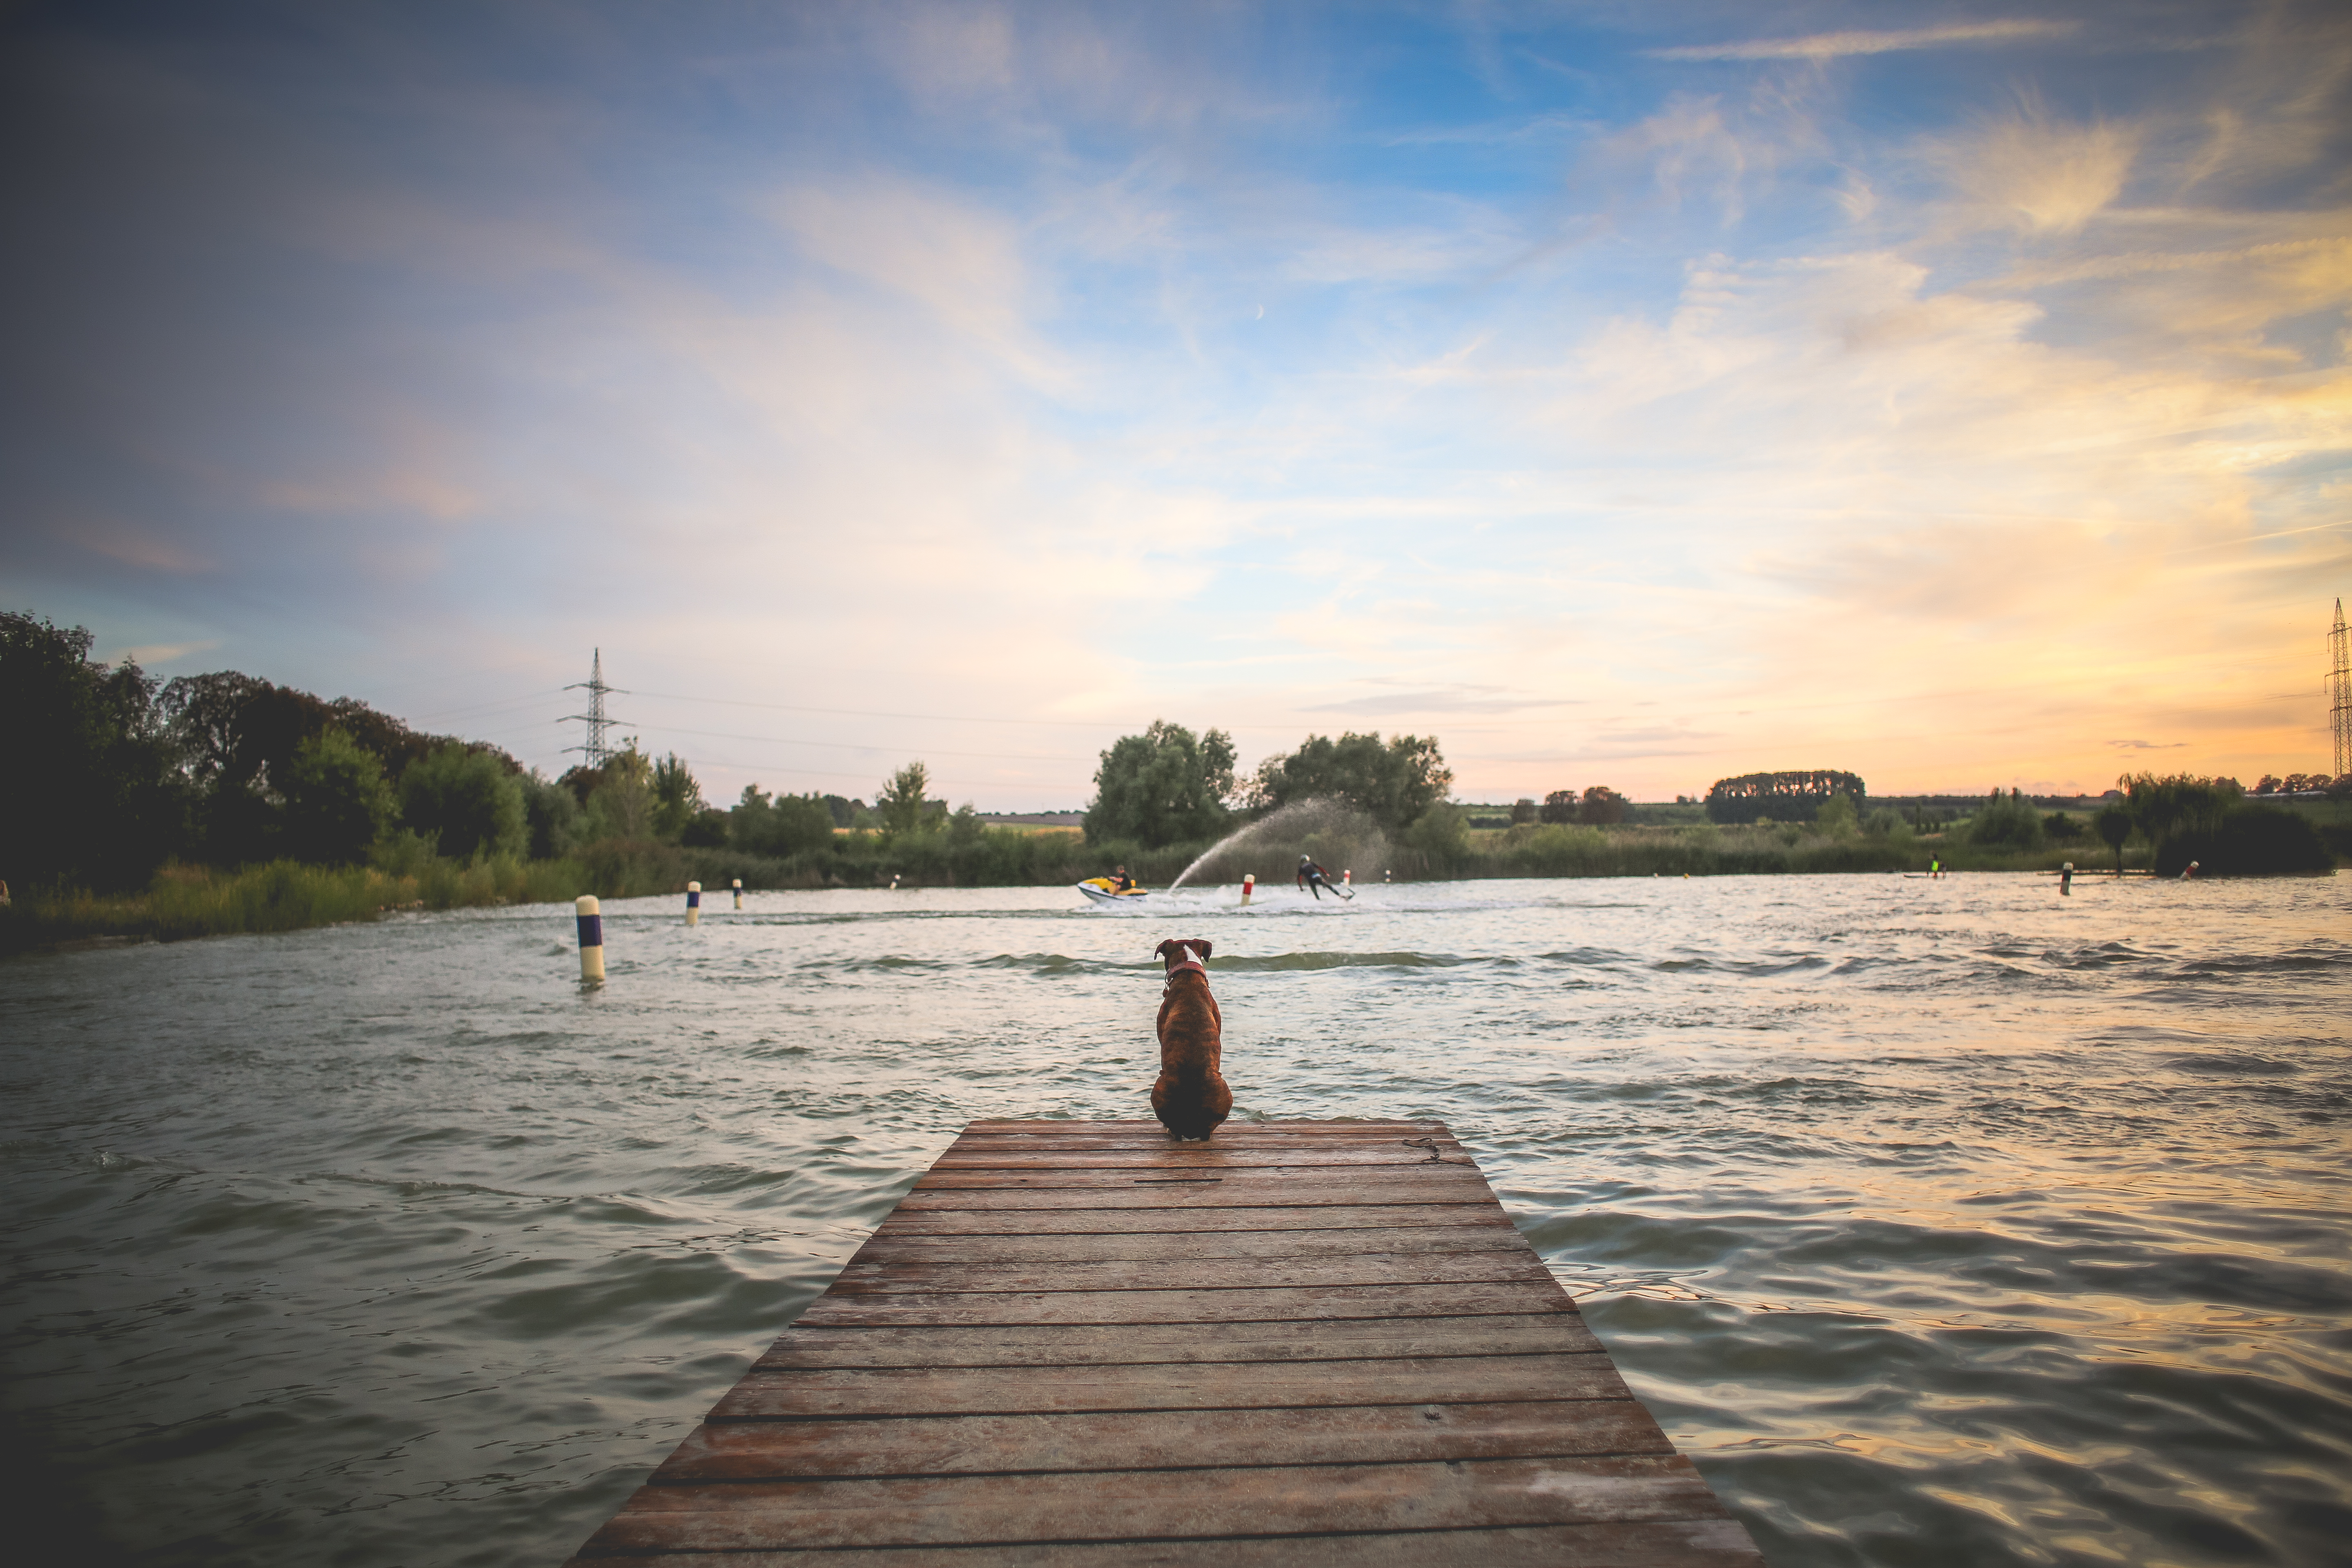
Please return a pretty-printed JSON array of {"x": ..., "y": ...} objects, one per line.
[
  {"x": 1171, "y": 786},
  {"x": 113, "y": 773}
]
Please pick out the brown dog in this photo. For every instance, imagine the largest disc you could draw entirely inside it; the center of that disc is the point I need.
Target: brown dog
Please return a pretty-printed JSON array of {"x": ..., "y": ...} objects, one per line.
[{"x": 1190, "y": 1097}]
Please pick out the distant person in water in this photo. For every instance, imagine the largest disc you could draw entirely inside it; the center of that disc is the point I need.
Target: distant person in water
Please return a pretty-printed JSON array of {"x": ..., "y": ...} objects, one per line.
[{"x": 1314, "y": 877}]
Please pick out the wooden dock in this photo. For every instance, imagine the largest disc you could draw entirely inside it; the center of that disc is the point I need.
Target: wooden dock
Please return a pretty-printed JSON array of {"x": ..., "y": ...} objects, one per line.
[{"x": 1074, "y": 1342}]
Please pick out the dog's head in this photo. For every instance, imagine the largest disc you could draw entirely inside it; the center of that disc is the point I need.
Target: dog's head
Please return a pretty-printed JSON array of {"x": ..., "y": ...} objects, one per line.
[{"x": 1184, "y": 954}]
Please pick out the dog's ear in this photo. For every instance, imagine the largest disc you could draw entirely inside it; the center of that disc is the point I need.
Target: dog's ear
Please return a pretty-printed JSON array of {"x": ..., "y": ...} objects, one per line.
[
  {"x": 1200, "y": 942},
  {"x": 1162, "y": 949}
]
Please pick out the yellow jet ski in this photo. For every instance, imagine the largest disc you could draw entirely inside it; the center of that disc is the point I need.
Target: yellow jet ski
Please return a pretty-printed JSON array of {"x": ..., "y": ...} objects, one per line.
[{"x": 1102, "y": 890}]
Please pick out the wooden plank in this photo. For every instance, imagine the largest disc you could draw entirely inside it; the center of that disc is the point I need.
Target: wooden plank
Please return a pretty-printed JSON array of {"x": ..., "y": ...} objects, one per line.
[
  {"x": 1414, "y": 1127},
  {"x": 1219, "y": 1155},
  {"x": 1118, "y": 1505},
  {"x": 1159, "y": 1440},
  {"x": 1661, "y": 1544},
  {"x": 1192, "y": 1220},
  {"x": 887, "y": 1249},
  {"x": 1078, "y": 1343},
  {"x": 1144, "y": 1344},
  {"x": 1228, "y": 1274},
  {"x": 1267, "y": 1182},
  {"x": 1216, "y": 1385},
  {"x": 1192, "y": 1305},
  {"x": 1229, "y": 1136},
  {"x": 1205, "y": 1195}
]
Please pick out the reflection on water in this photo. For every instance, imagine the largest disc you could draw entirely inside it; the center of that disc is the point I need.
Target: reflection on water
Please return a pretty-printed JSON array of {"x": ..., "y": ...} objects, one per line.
[{"x": 1940, "y": 1222}]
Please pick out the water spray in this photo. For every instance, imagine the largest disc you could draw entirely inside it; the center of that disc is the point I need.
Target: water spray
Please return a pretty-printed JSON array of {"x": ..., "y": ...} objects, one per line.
[{"x": 1331, "y": 828}]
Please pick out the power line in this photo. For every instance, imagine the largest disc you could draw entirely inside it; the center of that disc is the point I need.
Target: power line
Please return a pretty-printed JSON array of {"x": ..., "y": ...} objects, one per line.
[{"x": 873, "y": 714}]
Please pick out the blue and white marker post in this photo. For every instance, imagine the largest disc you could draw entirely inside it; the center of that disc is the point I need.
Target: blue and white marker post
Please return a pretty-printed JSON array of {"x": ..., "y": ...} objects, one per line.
[
  {"x": 694, "y": 903},
  {"x": 739, "y": 892},
  {"x": 592, "y": 940}
]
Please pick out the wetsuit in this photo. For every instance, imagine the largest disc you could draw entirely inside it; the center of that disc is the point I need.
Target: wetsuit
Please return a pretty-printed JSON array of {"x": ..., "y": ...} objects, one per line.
[{"x": 1314, "y": 878}]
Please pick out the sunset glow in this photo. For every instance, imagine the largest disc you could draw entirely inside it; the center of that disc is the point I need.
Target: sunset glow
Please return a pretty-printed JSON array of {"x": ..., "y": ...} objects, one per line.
[{"x": 1627, "y": 396}]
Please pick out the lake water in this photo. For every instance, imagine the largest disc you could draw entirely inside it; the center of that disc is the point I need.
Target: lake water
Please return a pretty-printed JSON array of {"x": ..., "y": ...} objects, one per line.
[{"x": 1941, "y": 1222}]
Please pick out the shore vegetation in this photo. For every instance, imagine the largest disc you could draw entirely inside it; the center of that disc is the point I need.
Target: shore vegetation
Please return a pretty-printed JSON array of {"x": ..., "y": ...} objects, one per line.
[{"x": 222, "y": 802}]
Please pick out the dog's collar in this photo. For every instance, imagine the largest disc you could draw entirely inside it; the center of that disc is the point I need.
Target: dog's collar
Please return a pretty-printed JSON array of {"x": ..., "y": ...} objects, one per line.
[{"x": 1192, "y": 963}]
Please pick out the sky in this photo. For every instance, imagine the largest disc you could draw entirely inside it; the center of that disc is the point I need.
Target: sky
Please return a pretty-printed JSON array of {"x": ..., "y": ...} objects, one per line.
[{"x": 1626, "y": 395}]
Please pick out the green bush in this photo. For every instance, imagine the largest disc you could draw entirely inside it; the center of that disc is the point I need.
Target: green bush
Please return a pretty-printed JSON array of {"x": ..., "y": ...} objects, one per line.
[
  {"x": 2251, "y": 841},
  {"x": 467, "y": 801},
  {"x": 337, "y": 802},
  {"x": 2006, "y": 820}
]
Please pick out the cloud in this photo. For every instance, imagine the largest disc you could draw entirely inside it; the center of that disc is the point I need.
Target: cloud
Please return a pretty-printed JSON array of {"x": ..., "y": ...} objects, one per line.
[
  {"x": 136, "y": 547},
  {"x": 2149, "y": 745},
  {"x": 160, "y": 653},
  {"x": 1455, "y": 700},
  {"x": 1835, "y": 45},
  {"x": 2035, "y": 174}
]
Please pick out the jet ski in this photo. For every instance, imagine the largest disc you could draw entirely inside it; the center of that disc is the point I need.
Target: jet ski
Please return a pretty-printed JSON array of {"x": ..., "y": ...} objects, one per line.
[{"x": 1102, "y": 890}]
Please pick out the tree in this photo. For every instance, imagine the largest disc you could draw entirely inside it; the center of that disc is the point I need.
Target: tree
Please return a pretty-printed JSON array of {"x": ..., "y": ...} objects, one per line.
[
  {"x": 1163, "y": 786},
  {"x": 2178, "y": 803},
  {"x": 1795, "y": 796},
  {"x": 1559, "y": 806},
  {"x": 337, "y": 800},
  {"x": 903, "y": 803},
  {"x": 90, "y": 787},
  {"x": 2114, "y": 824},
  {"x": 2006, "y": 820},
  {"x": 1523, "y": 810},
  {"x": 1602, "y": 806},
  {"x": 1838, "y": 818},
  {"x": 621, "y": 799},
  {"x": 676, "y": 797},
  {"x": 551, "y": 817},
  {"x": 789, "y": 825},
  {"x": 1393, "y": 784},
  {"x": 469, "y": 800}
]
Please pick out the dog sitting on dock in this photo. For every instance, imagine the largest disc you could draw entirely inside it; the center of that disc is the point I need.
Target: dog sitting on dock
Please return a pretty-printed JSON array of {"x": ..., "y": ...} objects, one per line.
[{"x": 1191, "y": 1097}]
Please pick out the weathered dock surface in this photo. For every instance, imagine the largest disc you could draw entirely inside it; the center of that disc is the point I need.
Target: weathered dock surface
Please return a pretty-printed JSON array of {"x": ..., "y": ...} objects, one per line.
[{"x": 1074, "y": 1342}]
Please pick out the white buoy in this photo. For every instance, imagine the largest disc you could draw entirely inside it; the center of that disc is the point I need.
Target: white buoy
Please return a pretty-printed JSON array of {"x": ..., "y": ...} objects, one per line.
[
  {"x": 1249, "y": 886},
  {"x": 592, "y": 940},
  {"x": 894, "y": 881},
  {"x": 1388, "y": 876},
  {"x": 739, "y": 892},
  {"x": 2067, "y": 879},
  {"x": 694, "y": 903}
]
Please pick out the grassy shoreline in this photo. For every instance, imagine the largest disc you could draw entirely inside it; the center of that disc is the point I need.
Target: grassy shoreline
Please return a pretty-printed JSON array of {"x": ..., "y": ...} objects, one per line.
[{"x": 186, "y": 902}]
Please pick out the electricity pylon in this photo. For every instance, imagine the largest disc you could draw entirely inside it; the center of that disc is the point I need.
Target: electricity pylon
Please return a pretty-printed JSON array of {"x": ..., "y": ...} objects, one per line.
[
  {"x": 2340, "y": 692},
  {"x": 595, "y": 752}
]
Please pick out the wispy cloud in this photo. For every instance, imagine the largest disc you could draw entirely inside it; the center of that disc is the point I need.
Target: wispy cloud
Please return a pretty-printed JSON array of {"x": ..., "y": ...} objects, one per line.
[
  {"x": 1835, "y": 45},
  {"x": 161, "y": 653}
]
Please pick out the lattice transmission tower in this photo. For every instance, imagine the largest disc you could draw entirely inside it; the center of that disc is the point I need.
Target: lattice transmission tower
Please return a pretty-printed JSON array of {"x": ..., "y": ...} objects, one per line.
[
  {"x": 597, "y": 721},
  {"x": 2339, "y": 693}
]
